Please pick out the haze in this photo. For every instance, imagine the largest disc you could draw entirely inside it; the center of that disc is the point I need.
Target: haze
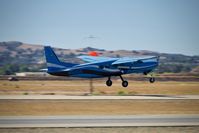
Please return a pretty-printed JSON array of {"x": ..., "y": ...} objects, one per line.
[{"x": 170, "y": 26}]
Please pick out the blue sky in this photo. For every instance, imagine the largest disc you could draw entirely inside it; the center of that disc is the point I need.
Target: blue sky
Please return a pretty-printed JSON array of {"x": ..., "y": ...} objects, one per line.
[{"x": 170, "y": 26}]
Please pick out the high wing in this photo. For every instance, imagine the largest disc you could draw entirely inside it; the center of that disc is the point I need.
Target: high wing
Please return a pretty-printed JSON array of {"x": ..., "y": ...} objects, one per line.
[
  {"x": 126, "y": 60},
  {"x": 95, "y": 58},
  {"x": 118, "y": 61}
]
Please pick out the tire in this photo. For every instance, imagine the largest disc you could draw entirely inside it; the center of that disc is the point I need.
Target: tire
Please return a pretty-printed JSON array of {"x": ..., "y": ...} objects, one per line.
[
  {"x": 125, "y": 83},
  {"x": 108, "y": 82},
  {"x": 151, "y": 80}
]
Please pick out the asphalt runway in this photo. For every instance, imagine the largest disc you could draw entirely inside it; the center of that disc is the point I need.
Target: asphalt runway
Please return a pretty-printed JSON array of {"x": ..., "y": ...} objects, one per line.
[
  {"x": 65, "y": 97},
  {"x": 99, "y": 121}
]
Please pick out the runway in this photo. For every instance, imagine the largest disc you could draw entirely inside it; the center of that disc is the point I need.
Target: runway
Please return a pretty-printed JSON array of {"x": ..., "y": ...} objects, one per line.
[
  {"x": 65, "y": 97},
  {"x": 99, "y": 121}
]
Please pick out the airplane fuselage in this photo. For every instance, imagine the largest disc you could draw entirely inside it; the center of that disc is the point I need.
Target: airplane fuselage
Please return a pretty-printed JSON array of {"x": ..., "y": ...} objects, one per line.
[{"x": 105, "y": 70}]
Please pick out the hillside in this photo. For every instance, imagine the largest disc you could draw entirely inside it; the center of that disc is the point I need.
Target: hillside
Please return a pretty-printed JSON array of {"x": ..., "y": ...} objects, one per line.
[{"x": 18, "y": 56}]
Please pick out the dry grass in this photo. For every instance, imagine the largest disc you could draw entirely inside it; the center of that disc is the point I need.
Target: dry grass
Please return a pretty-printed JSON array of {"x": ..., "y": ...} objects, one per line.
[
  {"x": 185, "y": 129},
  {"x": 78, "y": 87},
  {"x": 97, "y": 107}
]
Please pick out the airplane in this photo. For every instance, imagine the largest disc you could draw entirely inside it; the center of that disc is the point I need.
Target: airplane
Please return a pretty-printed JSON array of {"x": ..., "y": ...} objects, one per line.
[{"x": 99, "y": 66}]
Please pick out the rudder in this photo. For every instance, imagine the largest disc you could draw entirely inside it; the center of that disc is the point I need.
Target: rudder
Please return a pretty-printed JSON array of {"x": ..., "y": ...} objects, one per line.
[
  {"x": 50, "y": 55},
  {"x": 53, "y": 63}
]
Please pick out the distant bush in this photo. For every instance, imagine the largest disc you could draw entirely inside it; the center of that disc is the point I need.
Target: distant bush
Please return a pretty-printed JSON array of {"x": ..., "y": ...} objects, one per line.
[
  {"x": 174, "y": 68},
  {"x": 121, "y": 93},
  {"x": 17, "y": 86},
  {"x": 25, "y": 93},
  {"x": 9, "y": 69}
]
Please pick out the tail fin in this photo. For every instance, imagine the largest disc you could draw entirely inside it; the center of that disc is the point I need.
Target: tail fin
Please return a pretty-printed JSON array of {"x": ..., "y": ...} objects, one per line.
[
  {"x": 53, "y": 63},
  {"x": 50, "y": 55}
]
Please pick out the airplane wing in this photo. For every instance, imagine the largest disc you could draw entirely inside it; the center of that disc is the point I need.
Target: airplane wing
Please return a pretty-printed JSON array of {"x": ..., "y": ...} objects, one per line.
[
  {"x": 94, "y": 58},
  {"x": 116, "y": 61},
  {"x": 126, "y": 60}
]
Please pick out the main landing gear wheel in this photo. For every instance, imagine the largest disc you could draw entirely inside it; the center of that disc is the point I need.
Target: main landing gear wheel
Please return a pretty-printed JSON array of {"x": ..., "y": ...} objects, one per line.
[
  {"x": 109, "y": 82},
  {"x": 124, "y": 83},
  {"x": 152, "y": 80}
]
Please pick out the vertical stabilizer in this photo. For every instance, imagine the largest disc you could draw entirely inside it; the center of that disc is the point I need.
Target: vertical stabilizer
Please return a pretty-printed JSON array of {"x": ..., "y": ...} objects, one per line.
[
  {"x": 51, "y": 56},
  {"x": 53, "y": 63}
]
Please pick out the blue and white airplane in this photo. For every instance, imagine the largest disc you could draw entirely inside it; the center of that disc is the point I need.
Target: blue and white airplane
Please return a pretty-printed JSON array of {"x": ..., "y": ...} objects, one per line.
[{"x": 98, "y": 66}]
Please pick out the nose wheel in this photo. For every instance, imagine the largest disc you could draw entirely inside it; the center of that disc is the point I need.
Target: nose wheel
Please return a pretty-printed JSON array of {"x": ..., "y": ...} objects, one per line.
[{"x": 152, "y": 80}]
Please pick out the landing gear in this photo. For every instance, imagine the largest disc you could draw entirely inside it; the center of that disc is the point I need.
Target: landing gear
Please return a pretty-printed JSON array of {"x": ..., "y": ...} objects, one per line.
[
  {"x": 152, "y": 80},
  {"x": 109, "y": 82},
  {"x": 124, "y": 82}
]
